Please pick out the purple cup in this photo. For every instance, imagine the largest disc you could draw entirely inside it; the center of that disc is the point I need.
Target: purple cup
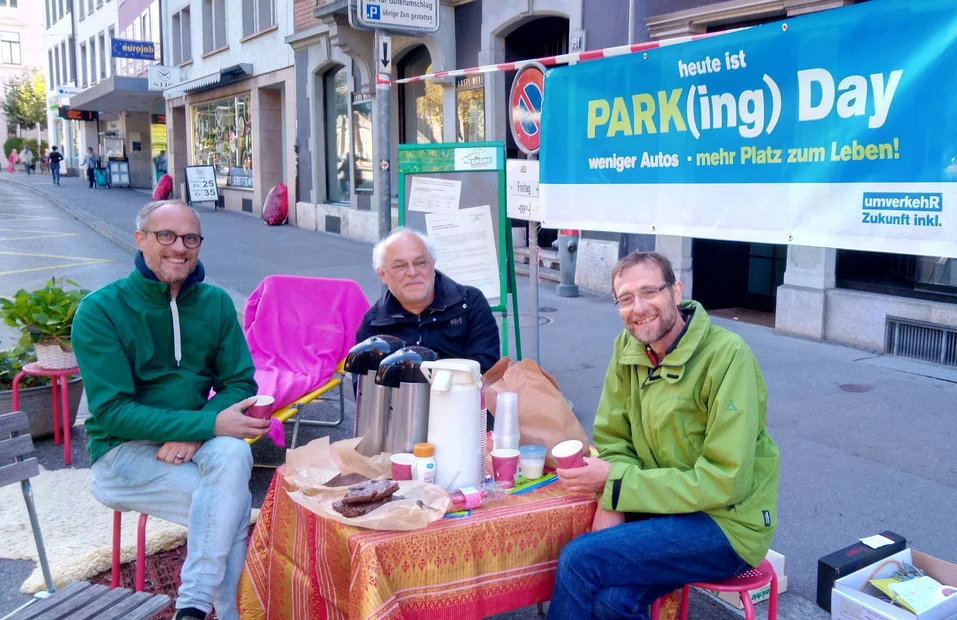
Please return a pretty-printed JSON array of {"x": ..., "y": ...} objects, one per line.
[
  {"x": 505, "y": 466},
  {"x": 568, "y": 454},
  {"x": 262, "y": 409},
  {"x": 402, "y": 466}
]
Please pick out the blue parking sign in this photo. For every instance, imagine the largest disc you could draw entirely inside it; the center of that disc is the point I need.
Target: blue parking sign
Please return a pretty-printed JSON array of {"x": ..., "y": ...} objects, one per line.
[{"x": 372, "y": 11}]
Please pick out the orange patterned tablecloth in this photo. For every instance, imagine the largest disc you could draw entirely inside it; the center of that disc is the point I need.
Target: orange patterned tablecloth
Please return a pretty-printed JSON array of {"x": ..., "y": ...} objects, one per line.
[{"x": 502, "y": 557}]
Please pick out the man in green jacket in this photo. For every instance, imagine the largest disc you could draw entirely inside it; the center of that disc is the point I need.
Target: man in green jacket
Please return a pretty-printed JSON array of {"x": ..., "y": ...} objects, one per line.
[
  {"x": 150, "y": 348},
  {"x": 687, "y": 473}
]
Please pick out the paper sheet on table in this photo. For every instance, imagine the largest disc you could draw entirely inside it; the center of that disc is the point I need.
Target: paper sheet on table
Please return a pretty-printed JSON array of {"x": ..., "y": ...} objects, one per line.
[
  {"x": 433, "y": 195},
  {"x": 877, "y": 541},
  {"x": 465, "y": 244},
  {"x": 309, "y": 467}
]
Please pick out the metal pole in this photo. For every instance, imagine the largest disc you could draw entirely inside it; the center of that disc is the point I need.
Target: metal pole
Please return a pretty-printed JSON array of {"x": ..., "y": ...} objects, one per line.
[
  {"x": 381, "y": 132},
  {"x": 533, "y": 281},
  {"x": 631, "y": 21}
]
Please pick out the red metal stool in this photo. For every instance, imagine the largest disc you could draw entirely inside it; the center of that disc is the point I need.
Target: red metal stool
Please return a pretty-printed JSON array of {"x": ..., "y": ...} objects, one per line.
[
  {"x": 140, "y": 551},
  {"x": 750, "y": 580},
  {"x": 61, "y": 400}
]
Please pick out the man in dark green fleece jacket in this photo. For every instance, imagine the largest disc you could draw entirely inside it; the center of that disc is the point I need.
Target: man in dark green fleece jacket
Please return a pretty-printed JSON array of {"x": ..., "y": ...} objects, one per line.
[
  {"x": 687, "y": 473},
  {"x": 150, "y": 348}
]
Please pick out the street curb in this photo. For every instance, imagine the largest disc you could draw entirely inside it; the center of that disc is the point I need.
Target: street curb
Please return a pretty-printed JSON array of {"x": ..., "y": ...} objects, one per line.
[{"x": 119, "y": 238}]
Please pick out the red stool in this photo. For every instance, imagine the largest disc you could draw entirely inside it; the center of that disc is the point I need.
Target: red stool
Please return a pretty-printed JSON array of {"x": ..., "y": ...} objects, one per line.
[
  {"x": 61, "y": 400},
  {"x": 752, "y": 579},
  {"x": 140, "y": 552}
]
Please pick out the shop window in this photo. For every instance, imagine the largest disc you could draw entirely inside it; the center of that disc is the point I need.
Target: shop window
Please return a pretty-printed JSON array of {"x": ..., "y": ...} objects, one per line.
[
  {"x": 222, "y": 138},
  {"x": 362, "y": 150},
  {"x": 214, "y": 25},
  {"x": 420, "y": 103},
  {"x": 470, "y": 109},
  {"x": 258, "y": 15},
  {"x": 338, "y": 177},
  {"x": 10, "y": 48},
  {"x": 924, "y": 277}
]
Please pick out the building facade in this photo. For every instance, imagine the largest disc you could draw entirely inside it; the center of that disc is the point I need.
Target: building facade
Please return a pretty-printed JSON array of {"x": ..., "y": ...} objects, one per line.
[
  {"x": 21, "y": 49},
  {"x": 59, "y": 41},
  {"x": 822, "y": 293},
  {"x": 235, "y": 105}
]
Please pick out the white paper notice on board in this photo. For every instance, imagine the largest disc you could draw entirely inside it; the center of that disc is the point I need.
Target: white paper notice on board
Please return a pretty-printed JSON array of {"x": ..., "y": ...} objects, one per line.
[
  {"x": 433, "y": 195},
  {"x": 465, "y": 244}
]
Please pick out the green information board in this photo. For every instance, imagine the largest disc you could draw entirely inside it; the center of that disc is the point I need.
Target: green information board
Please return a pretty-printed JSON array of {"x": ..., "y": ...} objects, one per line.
[{"x": 455, "y": 194}]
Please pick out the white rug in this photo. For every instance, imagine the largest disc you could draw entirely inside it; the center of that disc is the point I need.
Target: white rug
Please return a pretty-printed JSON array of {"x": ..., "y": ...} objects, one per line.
[{"x": 77, "y": 530}]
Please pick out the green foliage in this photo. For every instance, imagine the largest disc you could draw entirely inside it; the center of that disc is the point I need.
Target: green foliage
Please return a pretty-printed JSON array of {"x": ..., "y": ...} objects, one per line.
[
  {"x": 10, "y": 364},
  {"x": 25, "y": 102},
  {"x": 12, "y": 143},
  {"x": 45, "y": 315},
  {"x": 32, "y": 145}
]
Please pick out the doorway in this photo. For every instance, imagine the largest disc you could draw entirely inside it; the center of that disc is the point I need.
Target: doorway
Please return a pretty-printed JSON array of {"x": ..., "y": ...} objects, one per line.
[{"x": 733, "y": 275}]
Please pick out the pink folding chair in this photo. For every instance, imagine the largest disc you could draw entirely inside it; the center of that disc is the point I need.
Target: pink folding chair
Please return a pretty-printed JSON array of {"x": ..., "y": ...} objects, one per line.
[
  {"x": 752, "y": 579},
  {"x": 140, "y": 552}
]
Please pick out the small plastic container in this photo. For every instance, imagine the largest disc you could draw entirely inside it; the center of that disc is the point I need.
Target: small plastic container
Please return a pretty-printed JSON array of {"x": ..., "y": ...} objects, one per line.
[
  {"x": 423, "y": 467},
  {"x": 532, "y": 460}
]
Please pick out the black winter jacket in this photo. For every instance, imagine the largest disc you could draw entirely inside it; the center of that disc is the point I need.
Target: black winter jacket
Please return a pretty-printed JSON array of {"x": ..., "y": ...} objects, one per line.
[{"x": 458, "y": 323}]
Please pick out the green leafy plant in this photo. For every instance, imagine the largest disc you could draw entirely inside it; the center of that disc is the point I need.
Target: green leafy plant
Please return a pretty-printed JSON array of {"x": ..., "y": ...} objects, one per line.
[
  {"x": 12, "y": 143},
  {"x": 45, "y": 315},
  {"x": 11, "y": 362}
]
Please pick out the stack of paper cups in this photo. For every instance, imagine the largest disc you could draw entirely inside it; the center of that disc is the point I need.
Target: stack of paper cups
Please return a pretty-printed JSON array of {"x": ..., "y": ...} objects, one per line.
[{"x": 506, "y": 434}]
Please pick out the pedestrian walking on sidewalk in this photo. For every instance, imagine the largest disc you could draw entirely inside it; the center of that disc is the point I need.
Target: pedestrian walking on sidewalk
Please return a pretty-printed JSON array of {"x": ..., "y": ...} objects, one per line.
[
  {"x": 91, "y": 161},
  {"x": 27, "y": 159},
  {"x": 55, "y": 158},
  {"x": 14, "y": 159}
]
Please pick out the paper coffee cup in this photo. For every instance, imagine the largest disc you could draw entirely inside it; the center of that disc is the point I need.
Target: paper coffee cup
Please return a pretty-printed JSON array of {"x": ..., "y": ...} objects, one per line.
[
  {"x": 263, "y": 407},
  {"x": 568, "y": 454}
]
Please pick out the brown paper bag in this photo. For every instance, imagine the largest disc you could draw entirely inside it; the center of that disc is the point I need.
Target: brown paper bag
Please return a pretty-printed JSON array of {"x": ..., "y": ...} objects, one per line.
[{"x": 544, "y": 416}]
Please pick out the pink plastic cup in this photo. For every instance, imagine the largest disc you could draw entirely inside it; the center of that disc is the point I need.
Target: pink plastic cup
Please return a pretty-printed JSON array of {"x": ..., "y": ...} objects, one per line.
[
  {"x": 263, "y": 407},
  {"x": 505, "y": 466},
  {"x": 568, "y": 454},
  {"x": 402, "y": 466}
]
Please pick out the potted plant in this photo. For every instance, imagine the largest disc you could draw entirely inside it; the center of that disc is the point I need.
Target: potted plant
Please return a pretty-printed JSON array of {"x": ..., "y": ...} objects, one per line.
[
  {"x": 46, "y": 318},
  {"x": 36, "y": 398}
]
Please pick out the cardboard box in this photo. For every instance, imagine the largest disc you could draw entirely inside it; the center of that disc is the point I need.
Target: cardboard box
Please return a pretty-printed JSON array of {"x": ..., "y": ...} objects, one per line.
[
  {"x": 835, "y": 565},
  {"x": 761, "y": 594},
  {"x": 848, "y": 602}
]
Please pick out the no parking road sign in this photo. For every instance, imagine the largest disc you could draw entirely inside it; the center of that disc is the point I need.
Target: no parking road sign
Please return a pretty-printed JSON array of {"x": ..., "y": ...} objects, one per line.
[{"x": 525, "y": 107}]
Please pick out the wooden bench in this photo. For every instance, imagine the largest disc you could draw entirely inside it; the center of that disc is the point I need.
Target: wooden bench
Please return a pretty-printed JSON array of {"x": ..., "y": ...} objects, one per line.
[
  {"x": 82, "y": 601},
  {"x": 78, "y": 600}
]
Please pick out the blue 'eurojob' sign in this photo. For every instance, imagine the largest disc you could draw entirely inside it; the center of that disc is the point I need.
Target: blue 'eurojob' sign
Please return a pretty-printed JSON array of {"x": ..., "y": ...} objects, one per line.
[
  {"x": 836, "y": 129},
  {"x": 139, "y": 50}
]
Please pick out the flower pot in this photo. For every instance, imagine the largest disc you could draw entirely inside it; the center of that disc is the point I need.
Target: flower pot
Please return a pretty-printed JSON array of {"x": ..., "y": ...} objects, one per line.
[
  {"x": 37, "y": 403},
  {"x": 53, "y": 357}
]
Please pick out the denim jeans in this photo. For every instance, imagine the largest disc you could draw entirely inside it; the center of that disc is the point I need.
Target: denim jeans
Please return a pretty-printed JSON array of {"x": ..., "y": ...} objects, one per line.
[
  {"x": 55, "y": 171},
  {"x": 209, "y": 495},
  {"x": 619, "y": 572}
]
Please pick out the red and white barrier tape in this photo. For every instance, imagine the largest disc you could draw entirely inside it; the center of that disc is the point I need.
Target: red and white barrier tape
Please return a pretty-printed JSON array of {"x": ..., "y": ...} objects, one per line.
[{"x": 551, "y": 61}]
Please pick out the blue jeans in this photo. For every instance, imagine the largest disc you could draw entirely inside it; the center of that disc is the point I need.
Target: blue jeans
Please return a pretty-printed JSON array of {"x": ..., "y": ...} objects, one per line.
[
  {"x": 55, "y": 171},
  {"x": 209, "y": 495},
  {"x": 618, "y": 572}
]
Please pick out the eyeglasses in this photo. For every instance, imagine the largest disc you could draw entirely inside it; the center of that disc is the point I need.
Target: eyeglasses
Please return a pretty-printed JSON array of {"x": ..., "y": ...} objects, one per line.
[
  {"x": 419, "y": 265},
  {"x": 645, "y": 294},
  {"x": 168, "y": 237}
]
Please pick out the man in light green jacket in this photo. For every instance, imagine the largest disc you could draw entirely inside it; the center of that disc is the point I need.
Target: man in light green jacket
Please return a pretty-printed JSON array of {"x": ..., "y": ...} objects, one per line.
[{"x": 687, "y": 473}]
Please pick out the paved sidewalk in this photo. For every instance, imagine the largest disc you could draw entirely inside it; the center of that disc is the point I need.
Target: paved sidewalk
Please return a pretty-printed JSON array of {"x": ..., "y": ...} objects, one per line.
[{"x": 866, "y": 440}]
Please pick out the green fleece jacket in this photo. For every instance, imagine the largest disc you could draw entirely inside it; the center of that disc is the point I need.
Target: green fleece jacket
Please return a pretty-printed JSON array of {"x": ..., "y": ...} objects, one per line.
[
  {"x": 689, "y": 435},
  {"x": 125, "y": 339}
]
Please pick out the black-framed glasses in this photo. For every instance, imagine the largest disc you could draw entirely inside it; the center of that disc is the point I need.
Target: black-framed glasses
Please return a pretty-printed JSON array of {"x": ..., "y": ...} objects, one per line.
[
  {"x": 645, "y": 294},
  {"x": 168, "y": 237}
]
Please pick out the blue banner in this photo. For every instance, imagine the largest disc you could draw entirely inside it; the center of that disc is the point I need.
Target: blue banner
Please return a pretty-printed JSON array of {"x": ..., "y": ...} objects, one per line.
[
  {"x": 845, "y": 101},
  {"x": 139, "y": 50}
]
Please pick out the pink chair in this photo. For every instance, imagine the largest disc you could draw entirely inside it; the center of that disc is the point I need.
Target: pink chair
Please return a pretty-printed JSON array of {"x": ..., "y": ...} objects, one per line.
[
  {"x": 752, "y": 579},
  {"x": 140, "y": 552}
]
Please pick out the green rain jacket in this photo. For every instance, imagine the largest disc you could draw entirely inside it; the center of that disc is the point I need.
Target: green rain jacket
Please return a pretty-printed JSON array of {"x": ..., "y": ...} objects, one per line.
[
  {"x": 148, "y": 364},
  {"x": 689, "y": 435}
]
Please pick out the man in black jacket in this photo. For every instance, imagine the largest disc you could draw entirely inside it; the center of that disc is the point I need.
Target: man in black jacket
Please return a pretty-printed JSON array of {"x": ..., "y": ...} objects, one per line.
[{"x": 427, "y": 308}]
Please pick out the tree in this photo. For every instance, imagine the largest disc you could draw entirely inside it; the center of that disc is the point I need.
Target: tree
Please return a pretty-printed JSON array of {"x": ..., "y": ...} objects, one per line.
[{"x": 24, "y": 101}]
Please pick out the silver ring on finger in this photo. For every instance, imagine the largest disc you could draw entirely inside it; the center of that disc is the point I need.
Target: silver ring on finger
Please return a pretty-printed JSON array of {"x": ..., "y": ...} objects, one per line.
[{"x": 180, "y": 456}]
